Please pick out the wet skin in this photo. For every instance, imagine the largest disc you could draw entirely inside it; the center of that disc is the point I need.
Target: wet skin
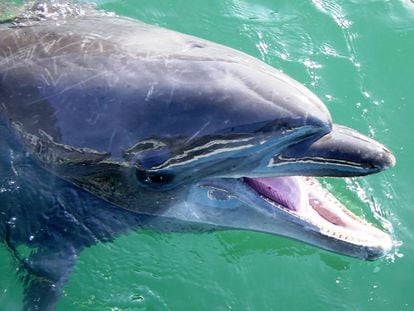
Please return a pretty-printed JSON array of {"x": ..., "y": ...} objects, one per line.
[{"x": 148, "y": 127}]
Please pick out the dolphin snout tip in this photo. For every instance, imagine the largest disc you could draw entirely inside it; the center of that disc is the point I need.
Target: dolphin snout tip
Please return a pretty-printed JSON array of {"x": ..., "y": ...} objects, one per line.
[
  {"x": 385, "y": 247},
  {"x": 385, "y": 159},
  {"x": 392, "y": 160}
]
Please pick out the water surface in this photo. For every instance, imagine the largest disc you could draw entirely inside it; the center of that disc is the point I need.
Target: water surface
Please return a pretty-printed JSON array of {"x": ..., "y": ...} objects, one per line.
[{"x": 358, "y": 57}]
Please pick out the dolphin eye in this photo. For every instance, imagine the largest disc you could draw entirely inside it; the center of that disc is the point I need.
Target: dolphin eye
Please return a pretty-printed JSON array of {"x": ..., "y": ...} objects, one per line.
[{"x": 154, "y": 178}]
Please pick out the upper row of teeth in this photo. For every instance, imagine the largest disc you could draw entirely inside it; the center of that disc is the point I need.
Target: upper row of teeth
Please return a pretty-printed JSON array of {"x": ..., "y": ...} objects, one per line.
[
  {"x": 337, "y": 232},
  {"x": 312, "y": 182}
]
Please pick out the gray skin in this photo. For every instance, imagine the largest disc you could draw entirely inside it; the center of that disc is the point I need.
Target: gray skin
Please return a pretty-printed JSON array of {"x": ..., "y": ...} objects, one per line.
[{"x": 156, "y": 127}]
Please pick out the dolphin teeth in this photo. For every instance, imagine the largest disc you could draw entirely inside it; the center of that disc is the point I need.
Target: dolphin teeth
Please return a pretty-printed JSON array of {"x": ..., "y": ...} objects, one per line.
[{"x": 331, "y": 217}]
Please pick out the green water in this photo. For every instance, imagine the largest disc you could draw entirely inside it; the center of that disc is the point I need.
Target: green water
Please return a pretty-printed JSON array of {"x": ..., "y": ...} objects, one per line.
[{"x": 358, "y": 56}]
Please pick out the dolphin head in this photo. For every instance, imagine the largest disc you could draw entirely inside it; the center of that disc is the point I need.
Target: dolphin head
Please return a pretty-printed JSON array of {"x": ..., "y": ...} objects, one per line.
[
  {"x": 245, "y": 158},
  {"x": 250, "y": 164},
  {"x": 170, "y": 125}
]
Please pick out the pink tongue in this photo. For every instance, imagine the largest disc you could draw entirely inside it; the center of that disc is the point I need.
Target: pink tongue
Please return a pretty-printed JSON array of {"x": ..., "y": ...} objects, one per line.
[{"x": 283, "y": 190}]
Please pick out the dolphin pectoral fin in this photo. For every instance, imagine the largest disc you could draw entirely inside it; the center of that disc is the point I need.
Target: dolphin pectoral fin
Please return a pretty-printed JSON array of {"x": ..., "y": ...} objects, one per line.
[
  {"x": 342, "y": 153},
  {"x": 47, "y": 271}
]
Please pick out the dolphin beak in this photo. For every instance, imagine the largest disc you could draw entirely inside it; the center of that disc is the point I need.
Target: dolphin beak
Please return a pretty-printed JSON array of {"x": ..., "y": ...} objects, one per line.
[{"x": 341, "y": 153}]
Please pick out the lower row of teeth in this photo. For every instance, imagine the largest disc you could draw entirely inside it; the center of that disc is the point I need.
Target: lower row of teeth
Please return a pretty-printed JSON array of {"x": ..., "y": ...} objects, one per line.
[{"x": 338, "y": 232}]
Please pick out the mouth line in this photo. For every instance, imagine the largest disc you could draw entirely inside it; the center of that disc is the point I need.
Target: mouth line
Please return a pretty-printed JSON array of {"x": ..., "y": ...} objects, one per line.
[
  {"x": 280, "y": 160},
  {"x": 305, "y": 201}
]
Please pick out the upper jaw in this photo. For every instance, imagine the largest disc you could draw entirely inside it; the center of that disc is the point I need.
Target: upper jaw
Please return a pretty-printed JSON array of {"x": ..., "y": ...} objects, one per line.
[{"x": 341, "y": 153}]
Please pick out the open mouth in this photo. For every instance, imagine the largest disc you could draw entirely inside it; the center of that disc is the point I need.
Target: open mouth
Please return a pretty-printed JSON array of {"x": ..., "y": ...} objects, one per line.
[{"x": 304, "y": 199}]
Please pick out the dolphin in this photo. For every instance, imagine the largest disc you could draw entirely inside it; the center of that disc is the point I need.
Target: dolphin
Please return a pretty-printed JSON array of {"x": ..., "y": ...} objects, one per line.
[{"x": 109, "y": 124}]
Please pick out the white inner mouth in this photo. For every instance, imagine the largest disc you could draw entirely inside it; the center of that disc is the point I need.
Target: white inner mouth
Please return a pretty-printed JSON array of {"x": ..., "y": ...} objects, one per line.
[{"x": 305, "y": 198}]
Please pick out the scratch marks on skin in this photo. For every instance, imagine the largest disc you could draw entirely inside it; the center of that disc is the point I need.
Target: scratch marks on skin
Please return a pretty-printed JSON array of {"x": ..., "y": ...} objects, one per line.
[
  {"x": 198, "y": 132},
  {"x": 56, "y": 70},
  {"x": 77, "y": 43},
  {"x": 69, "y": 87},
  {"x": 6, "y": 59},
  {"x": 111, "y": 140},
  {"x": 150, "y": 92},
  {"x": 29, "y": 52},
  {"x": 49, "y": 78},
  {"x": 22, "y": 57},
  {"x": 48, "y": 46},
  {"x": 47, "y": 43},
  {"x": 14, "y": 58},
  {"x": 81, "y": 82}
]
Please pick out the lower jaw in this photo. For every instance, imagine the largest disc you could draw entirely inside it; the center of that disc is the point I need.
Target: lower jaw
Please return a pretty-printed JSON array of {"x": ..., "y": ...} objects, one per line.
[{"x": 335, "y": 222}]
